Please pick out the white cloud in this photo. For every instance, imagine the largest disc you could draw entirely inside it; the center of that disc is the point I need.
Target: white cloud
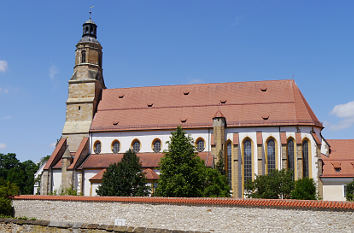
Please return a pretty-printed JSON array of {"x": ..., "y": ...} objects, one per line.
[
  {"x": 3, "y": 66},
  {"x": 346, "y": 114},
  {"x": 53, "y": 71},
  {"x": 2, "y": 145},
  {"x": 196, "y": 81},
  {"x": 4, "y": 90}
]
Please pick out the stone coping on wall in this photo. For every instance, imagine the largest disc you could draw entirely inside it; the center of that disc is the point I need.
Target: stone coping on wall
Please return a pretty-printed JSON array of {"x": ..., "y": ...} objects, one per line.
[
  {"x": 85, "y": 226},
  {"x": 268, "y": 203}
]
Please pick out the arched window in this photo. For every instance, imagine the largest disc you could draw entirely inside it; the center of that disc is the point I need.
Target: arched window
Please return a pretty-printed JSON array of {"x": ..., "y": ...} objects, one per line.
[
  {"x": 156, "y": 145},
  {"x": 270, "y": 155},
  {"x": 229, "y": 155},
  {"x": 97, "y": 147},
  {"x": 247, "y": 161},
  {"x": 115, "y": 146},
  {"x": 290, "y": 154},
  {"x": 83, "y": 56},
  {"x": 305, "y": 158},
  {"x": 200, "y": 144},
  {"x": 136, "y": 145}
]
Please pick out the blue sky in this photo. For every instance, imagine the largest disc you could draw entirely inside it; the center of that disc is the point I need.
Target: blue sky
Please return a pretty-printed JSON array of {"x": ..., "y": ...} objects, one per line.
[{"x": 161, "y": 42}]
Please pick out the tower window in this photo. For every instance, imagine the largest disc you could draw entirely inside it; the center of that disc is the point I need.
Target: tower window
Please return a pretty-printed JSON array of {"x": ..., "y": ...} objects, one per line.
[
  {"x": 115, "y": 146},
  {"x": 136, "y": 146},
  {"x": 200, "y": 144},
  {"x": 79, "y": 107},
  {"x": 156, "y": 145},
  {"x": 97, "y": 147},
  {"x": 83, "y": 56}
]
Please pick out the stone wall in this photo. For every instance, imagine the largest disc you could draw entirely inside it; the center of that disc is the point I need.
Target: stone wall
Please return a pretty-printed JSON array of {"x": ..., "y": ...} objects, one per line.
[
  {"x": 33, "y": 226},
  {"x": 193, "y": 214}
]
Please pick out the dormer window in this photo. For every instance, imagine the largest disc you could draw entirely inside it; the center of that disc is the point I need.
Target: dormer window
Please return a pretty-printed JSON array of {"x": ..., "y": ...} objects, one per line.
[{"x": 83, "y": 56}]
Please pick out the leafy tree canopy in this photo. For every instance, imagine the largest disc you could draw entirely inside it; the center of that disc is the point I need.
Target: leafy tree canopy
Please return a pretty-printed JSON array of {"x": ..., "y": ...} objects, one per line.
[
  {"x": 183, "y": 173},
  {"x": 305, "y": 189},
  {"x": 277, "y": 184},
  {"x": 124, "y": 178},
  {"x": 350, "y": 191},
  {"x": 19, "y": 173}
]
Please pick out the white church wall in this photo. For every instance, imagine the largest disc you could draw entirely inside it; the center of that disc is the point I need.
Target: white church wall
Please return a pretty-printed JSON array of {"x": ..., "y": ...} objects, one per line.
[
  {"x": 145, "y": 137},
  {"x": 333, "y": 188},
  {"x": 87, "y": 175},
  {"x": 94, "y": 188},
  {"x": 56, "y": 180}
]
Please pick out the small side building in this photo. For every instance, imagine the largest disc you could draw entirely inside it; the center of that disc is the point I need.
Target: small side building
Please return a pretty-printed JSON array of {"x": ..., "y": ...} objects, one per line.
[{"x": 338, "y": 169}]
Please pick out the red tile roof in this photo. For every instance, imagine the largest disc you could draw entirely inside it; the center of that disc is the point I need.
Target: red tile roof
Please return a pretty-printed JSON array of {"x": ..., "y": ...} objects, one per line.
[
  {"x": 247, "y": 105},
  {"x": 263, "y": 203},
  {"x": 81, "y": 153},
  {"x": 341, "y": 158},
  {"x": 57, "y": 153},
  {"x": 149, "y": 175},
  {"x": 148, "y": 160},
  {"x": 317, "y": 139}
]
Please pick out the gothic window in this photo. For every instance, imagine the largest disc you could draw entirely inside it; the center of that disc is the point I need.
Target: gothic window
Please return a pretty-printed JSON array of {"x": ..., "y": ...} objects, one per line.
[
  {"x": 247, "y": 161},
  {"x": 291, "y": 152},
  {"x": 200, "y": 144},
  {"x": 83, "y": 56},
  {"x": 156, "y": 145},
  {"x": 97, "y": 147},
  {"x": 270, "y": 155},
  {"x": 136, "y": 145},
  {"x": 305, "y": 158},
  {"x": 115, "y": 146},
  {"x": 229, "y": 155}
]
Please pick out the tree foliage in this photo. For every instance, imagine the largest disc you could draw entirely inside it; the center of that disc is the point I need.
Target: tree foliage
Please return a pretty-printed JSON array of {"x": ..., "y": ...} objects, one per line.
[
  {"x": 305, "y": 189},
  {"x": 220, "y": 166},
  {"x": 124, "y": 178},
  {"x": 277, "y": 184},
  {"x": 7, "y": 190},
  {"x": 350, "y": 191},
  {"x": 183, "y": 173},
  {"x": 19, "y": 173}
]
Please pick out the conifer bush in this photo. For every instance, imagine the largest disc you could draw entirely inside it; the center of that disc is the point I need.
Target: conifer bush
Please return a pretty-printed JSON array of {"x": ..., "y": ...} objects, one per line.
[
  {"x": 125, "y": 178},
  {"x": 350, "y": 191}
]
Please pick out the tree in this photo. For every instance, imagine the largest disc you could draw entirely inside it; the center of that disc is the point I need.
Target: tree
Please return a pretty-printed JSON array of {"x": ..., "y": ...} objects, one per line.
[
  {"x": 124, "y": 178},
  {"x": 305, "y": 189},
  {"x": 21, "y": 174},
  {"x": 7, "y": 190},
  {"x": 350, "y": 191},
  {"x": 277, "y": 184},
  {"x": 216, "y": 184},
  {"x": 183, "y": 173}
]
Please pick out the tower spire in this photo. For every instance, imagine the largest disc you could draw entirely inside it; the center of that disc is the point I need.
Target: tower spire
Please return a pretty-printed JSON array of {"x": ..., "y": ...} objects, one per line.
[{"x": 90, "y": 11}]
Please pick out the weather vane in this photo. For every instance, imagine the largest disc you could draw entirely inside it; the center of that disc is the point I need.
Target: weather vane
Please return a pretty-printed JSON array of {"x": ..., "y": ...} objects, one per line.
[{"x": 90, "y": 12}]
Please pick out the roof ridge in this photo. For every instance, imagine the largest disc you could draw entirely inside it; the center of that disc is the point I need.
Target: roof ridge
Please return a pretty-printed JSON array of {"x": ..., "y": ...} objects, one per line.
[{"x": 198, "y": 84}]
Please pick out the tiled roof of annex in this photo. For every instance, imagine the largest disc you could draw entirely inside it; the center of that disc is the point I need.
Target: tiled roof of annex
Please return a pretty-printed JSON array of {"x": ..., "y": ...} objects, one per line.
[
  {"x": 148, "y": 160},
  {"x": 340, "y": 162},
  {"x": 259, "y": 103}
]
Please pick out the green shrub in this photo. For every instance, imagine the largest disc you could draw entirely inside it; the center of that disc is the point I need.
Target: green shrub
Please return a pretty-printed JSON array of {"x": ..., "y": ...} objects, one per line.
[
  {"x": 6, "y": 207},
  {"x": 275, "y": 185},
  {"x": 69, "y": 191},
  {"x": 305, "y": 189},
  {"x": 350, "y": 191}
]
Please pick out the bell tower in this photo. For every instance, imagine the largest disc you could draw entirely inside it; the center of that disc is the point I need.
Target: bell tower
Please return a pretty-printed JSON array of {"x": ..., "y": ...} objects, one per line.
[{"x": 85, "y": 86}]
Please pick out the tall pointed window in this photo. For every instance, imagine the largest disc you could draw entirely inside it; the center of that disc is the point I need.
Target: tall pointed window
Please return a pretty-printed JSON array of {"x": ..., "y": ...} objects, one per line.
[
  {"x": 247, "y": 161},
  {"x": 290, "y": 154},
  {"x": 115, "y": 146},
  {"x": 97, "y": 147},
  {"x": 305, "y": 158},
  {"x": 136, "y": 146},
  {"x": 229, "y": 155},
  {"x": 83, "y": 56},
  {"x": 270, "y": 155}
]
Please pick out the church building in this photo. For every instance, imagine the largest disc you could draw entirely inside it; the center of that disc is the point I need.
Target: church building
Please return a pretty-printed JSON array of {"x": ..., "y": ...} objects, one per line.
[{"x": 258, "y": 126}]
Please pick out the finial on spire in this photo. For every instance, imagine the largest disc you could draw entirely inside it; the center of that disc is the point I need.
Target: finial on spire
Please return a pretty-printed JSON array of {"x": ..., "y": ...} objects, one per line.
[{"x": 90, "y": 12}]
